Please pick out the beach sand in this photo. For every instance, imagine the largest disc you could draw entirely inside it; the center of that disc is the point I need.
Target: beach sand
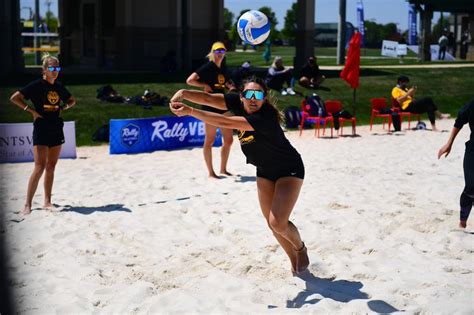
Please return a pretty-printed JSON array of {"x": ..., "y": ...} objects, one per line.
[{"x": 150, "y": 233}]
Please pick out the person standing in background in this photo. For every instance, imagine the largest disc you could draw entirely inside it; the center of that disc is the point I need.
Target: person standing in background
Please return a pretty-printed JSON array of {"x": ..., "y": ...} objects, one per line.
[{"x": 212, "y": 77}]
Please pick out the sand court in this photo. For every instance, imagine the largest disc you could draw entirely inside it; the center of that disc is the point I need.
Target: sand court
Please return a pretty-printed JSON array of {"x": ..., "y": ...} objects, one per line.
[{"x": 150, "y": 233}]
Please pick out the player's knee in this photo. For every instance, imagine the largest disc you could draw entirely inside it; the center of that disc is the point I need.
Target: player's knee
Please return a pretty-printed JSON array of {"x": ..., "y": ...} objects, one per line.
[{"x": 278, "y": 225}]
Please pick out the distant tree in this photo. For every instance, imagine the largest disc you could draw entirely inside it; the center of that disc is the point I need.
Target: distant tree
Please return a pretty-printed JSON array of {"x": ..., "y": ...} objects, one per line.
[
  {"x": 439, "y": 28},
  {"x": 51, "y": 21},
  {"x": 228, "y": 19},
  {"x": 228, "y": 23},
  {"x": 232, "y": 34},
  {"x": 289, "y": 29},
  {"x": 376, "y": 33}
]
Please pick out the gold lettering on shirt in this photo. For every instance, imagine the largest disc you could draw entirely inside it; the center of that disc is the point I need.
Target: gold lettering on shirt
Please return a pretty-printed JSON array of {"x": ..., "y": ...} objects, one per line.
[
  {"x": 50, "y": 108},
  {"x": 245, "y": 140}
]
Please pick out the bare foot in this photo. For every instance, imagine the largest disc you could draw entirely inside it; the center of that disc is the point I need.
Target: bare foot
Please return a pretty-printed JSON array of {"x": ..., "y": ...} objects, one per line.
[
  {"x": 226, "y": 173},
  {"x": 462, "y": 224},
  {"x": 26, "y": 210},
  {"x": 214, "y": 176},
  {"x": 434, "y": 128},
  {"x": 302, "y": 260},
  {"x": 51, "y": 207}
]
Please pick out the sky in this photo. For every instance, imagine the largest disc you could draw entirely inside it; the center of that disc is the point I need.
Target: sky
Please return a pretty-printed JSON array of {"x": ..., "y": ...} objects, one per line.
[
  {"x": 327, "y": 11},
  {"x": 379, "y": 11}
]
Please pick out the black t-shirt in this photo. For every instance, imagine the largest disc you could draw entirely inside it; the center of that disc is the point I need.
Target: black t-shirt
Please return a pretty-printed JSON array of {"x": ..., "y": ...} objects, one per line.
[
  {"x": 214, "y": 76},
  {"x": 46, "y": 97},
  {"x": 310, "y": 72},
  {"x": 466, "y": 116},
  {"x": 267, "y": 145}
]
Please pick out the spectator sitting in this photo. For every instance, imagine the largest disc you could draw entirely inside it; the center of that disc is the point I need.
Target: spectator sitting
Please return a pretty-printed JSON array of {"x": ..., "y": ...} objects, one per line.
[
  {"x": 310, "y": 76},
  {"x": 405, "y": 98},
  {"x": 278, "y": 74}
]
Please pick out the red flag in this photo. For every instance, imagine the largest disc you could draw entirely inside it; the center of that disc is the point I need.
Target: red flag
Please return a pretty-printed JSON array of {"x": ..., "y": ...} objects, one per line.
[{"x": 350, "y": 73}]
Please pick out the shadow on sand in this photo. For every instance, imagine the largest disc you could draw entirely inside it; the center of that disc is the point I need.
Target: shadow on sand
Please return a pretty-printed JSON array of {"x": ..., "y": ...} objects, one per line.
[
  {"x": 90, "y": 210},
  {"x": 337, "y": 290}
]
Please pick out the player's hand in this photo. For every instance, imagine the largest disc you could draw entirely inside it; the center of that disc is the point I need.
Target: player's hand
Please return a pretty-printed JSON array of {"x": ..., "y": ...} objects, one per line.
[
  {"x": 36, "y": 115},
  {"x": 445, "y": 149},
  {"x": 179, "y": 109},
  {"x": 207, "y": 89},
  {"x": 177, "y": 97}
]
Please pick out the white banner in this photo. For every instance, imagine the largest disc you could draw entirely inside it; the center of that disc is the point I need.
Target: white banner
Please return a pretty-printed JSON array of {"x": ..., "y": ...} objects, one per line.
[
  {"x": 402, "y": 50},
  {"x": 389, "y": 48},
  {"x": 16, "y": 142},
  {"x": 434, "y": 50}
]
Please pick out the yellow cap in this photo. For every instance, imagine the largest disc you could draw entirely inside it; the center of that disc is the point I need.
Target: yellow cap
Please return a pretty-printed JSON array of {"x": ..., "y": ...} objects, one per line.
[{"x": 217, "y": 45}]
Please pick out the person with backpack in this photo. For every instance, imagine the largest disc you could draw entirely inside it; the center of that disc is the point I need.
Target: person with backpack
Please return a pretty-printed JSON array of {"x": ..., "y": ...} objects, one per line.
[
  {"x": 465, "y": 116},
  {"x": 279, "y": 167},
  {"x": 48, "y": 136}
]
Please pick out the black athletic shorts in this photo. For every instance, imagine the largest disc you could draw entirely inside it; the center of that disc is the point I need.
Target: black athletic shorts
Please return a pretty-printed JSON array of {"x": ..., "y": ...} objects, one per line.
[
  {"x": 468, "y": 165},
  {"x": 213, "y": 110},
  {"x": 48, "y": 132},
  {"x": 273, "y": 173}
]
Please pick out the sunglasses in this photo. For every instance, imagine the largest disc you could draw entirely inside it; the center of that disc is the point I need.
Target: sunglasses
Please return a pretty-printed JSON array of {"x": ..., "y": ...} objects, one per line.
[
  {"x": 219, "y": 51},
  {"x": 54, "y": 69},
  {"x": 248, "y": 94}
]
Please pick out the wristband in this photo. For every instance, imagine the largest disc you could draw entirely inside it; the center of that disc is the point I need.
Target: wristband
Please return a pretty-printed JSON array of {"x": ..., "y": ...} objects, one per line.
[{"x": 26, "y": 107}]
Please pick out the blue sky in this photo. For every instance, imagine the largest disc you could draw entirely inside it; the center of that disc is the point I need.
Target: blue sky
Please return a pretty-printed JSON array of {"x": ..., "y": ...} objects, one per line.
[{"x": 380, "y": 11}]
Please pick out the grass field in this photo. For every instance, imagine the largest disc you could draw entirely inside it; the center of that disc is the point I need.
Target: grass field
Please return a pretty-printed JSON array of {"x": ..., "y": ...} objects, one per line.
[{"x": 449, "y": 87}]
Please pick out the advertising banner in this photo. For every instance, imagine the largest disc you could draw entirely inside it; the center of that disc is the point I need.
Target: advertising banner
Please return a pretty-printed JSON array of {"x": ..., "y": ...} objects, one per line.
[
  {"x": 412, "y": 27},
  {"x": 389, "y": 48},
  {"x": 360, "y": 22},
  {"x": 152, "y": 134},
  {"x": 16, "y": 142}
]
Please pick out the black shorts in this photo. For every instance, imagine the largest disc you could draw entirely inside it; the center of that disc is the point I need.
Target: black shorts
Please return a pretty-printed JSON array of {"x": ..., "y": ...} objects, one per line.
[
  {"x": 213, "y": 110},
  {"x": 295, "y": 169},
  {"x": 468, "y": 165},
  {"x": 48, "y": 132}
]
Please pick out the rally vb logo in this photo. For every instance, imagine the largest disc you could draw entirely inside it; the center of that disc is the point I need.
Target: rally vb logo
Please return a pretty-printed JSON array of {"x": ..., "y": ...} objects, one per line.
[{"x": 130, "y": 135}]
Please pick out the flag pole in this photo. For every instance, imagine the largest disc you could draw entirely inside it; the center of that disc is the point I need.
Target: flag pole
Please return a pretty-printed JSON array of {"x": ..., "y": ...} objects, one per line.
[{"x": 353, "y": 102}]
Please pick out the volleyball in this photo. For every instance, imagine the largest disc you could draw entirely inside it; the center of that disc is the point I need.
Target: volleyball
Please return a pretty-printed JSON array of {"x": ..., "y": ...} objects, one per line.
[{"x": 253, "y": 27}]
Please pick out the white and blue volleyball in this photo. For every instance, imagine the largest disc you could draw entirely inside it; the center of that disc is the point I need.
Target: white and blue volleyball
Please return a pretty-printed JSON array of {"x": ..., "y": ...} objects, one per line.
[{"x": 253, "y": 27}]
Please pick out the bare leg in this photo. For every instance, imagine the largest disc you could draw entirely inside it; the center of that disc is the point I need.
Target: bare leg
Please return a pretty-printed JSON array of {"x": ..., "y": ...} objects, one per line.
[
  {"x": 266, "y": 190},
  {"x": 286, "y": 194},
  {"x": 53, "y": 156},
  {"x": 227, "y": 137},
  {"x": 40, "y": 155},
  {"x": 207, "y": 148}
]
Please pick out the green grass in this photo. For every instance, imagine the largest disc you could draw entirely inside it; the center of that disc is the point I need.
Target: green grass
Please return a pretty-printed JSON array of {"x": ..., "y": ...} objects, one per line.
[
  {"x": 449, "y": 87},
  {"x": 326, "y": 56}
]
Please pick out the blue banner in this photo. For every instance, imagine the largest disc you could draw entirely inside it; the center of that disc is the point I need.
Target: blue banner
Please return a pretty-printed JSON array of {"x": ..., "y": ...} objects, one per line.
[
  {"x": 412, "y": 24},
  {"x": 161, "y": 133},
  {"x": 360, "y": 22}
]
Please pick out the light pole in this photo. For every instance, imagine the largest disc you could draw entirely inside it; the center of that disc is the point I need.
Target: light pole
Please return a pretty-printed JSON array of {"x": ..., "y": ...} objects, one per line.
[{"x": 36, "y": 21}]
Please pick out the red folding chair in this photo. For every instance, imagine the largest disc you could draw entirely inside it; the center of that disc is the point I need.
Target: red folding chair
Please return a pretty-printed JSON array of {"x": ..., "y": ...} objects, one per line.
[
  {"x": 334, "y": 106},
  {"x": 397, "y": 108},
  {"x": 377, "y": 104},
  {"x": 318, "y": 121}
]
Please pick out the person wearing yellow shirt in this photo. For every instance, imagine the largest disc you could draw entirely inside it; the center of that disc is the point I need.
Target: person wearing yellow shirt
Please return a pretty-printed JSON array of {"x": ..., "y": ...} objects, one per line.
[{"x": 405, "y": 97}]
